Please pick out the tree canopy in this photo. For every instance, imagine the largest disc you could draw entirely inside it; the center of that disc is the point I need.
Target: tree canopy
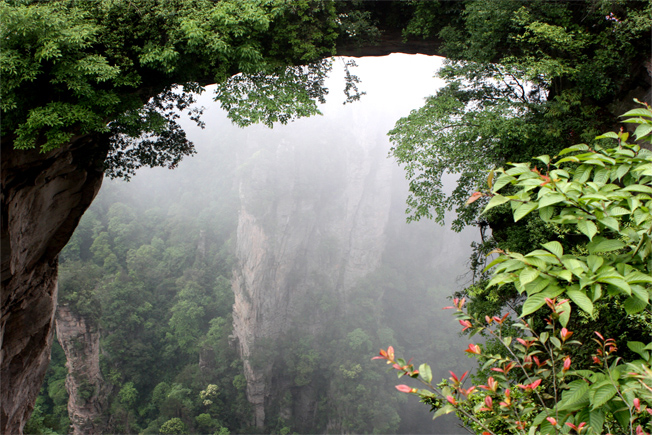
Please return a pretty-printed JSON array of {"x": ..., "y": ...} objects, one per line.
[
  {"x": 126, "y": 68},
  {"x": 522, "y": 78}
]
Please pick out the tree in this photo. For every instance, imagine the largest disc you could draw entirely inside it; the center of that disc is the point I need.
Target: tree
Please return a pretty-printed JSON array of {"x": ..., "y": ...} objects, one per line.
[
  {"x": 602, "y": 194},
  {"x": 522, "y": 79},
  {"x": 125, "y": 68},
  {"x": 174, "y": 427}
]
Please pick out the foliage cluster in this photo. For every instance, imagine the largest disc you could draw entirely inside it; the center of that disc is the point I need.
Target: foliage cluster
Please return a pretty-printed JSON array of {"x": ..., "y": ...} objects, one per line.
[
  {"x": 124, "y": 69},
  {"x": 522, "y": 79},
  {"x": 602, "y": 195}
]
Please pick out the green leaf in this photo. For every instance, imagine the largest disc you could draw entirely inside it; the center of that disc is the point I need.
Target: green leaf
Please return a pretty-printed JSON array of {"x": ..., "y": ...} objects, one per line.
[
  {"x": 618, "y": 283},
  {"x": 502, "y": 181},
  {"x": 639, "y": 348},
  {"x": 544, "y": 159},
  {"x": 602, "y": 395},
  {"x": 576, "y": 394},
  {"x": 498, "y": 260},
  {"x": 578, "y": 147},
  {"x": 524, "y": 209},
  {"x": 568, "y": 159},
  {"x": 496, "y": 200},
  {"x": 582, "y": 173},
  {"x": 637, "y": 188},
  {"x": 638, "y": 112},
  {"x": 643, "y": 130},
  {"x": 594, "y": 262},
  {"x": 601, "y": 176},
  {"x": 611, "y": 223},
  {"x": 638, "y": 277},
  {"x": 532, "y": 304},
  {"x": 564, "y": 317},
  {"x": 604, "y": 245},
  {"x": 634, "y": 305},
  {"x": 566, "y": 275},
  {"x": 528, "y": 275},
  {"x": 644, "y": 169},
  {"x": 608, "y": 135},
  {"x": 588, "y": 228},
  {"x": 550, "y": 199},
  {"x": 446, "y": 409},
  {"x": 581, "y": 300},
  {"x": 640, "y": 293},
  {"x": 555, "y": 248},
  {"x": 546, "y": 213},
  {"x": 536, "y": 301},
  {"x": 596, "y": 420},
  {"x": 619, "y": 211},
  {"x": 425, "y": 372},
  {"x": 622, "y": 170}
]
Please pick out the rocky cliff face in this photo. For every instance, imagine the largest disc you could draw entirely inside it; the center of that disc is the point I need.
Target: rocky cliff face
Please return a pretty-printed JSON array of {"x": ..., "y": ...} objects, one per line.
[
  {"x": 312, "y": 221},
  {"x": 87, "y": 391},
  {"x": 43, "y": 197}
]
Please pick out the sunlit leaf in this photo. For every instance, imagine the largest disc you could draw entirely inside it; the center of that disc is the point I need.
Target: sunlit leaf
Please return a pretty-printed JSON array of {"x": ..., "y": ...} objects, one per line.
[
  {"x": 638, "y": 112},
  {"x": 643, "y": 130},
  {"x": 588, "y": 228},
  {"x": 446, "y": 409},
  {"x": 639, "y": 348},
  {"x": 555, "y": 248},
  {"x": 544, "y": 159},
  {"x": 496, "y": 200},
  {"x": 581, "y": 300},
  {"x": 524, "y": 209},
  {"x": 604, "y": 245},
  {"x": 425, "y": 372},
  {"x": 528, "y": 275},
  {"x": 550, "y": 199},
  {"x": 578, "y": 147},
  {"x": 608, "y": 135},
  {"x": 603, "y": 394},
  {"x": 502, "y": 181},
  {"x": 564, "y": 317},
  {"x": 610, "y": 223}
]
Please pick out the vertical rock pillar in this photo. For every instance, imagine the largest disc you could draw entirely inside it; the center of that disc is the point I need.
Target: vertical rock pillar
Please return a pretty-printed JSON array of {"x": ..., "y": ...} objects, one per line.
[
  {"x": 80, "y": 340},
  {"x": 43, "y": 196}
]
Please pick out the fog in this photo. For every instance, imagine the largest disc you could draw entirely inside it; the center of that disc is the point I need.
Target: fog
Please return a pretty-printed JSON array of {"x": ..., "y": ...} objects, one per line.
[{"x": 312, "y": 215}]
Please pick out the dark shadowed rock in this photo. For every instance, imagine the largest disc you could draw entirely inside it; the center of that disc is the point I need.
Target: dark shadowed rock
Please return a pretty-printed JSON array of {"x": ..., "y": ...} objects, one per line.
[{"x": 43, "y": 197}]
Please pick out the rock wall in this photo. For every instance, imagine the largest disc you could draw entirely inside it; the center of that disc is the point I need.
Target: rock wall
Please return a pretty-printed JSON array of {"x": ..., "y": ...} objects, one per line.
[
  {"x": 80, "y": 340},
  {"x": 312, "y": 220},
  {"x": 43, "y": 197}
]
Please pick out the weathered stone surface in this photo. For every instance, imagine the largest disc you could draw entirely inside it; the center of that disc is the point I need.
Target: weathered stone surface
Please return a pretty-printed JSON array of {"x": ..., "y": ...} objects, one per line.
[
  {"x": 87, "y": 391},
  {"x": 43, "y": 197},
  {"x": 313, "y": 220}
]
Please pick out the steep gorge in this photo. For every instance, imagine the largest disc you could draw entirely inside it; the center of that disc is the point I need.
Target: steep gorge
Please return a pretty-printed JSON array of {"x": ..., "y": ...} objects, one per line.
[
  {"x": 322, "y": 210},
  {"x": 312, "y": 221}
]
